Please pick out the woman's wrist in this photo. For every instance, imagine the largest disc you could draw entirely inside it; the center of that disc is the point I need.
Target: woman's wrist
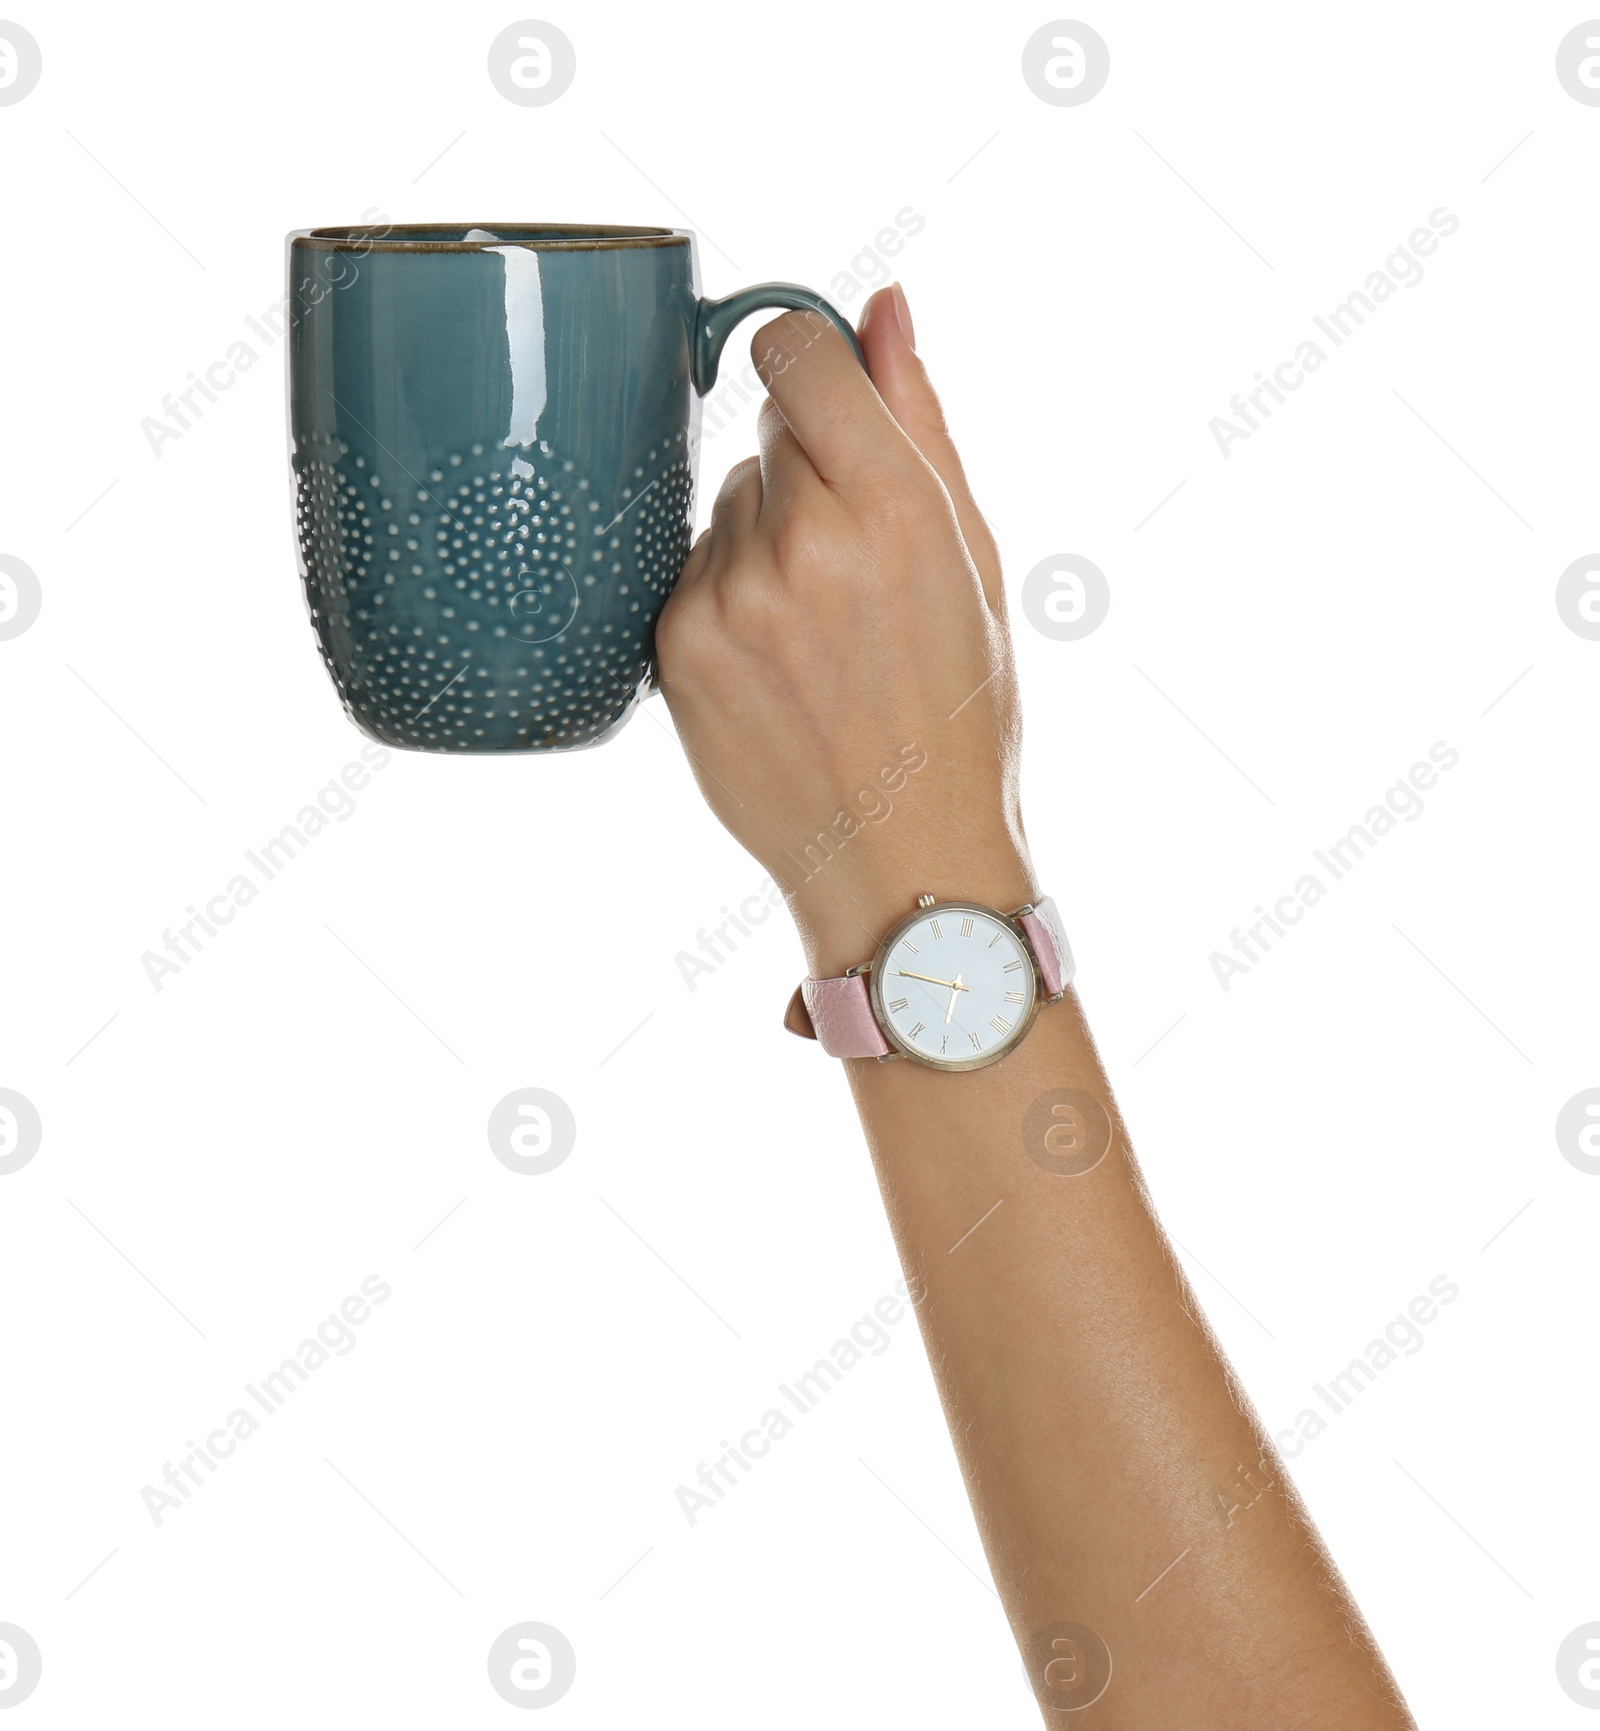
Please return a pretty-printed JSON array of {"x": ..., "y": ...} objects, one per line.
[{"x": 843, "y": 921}]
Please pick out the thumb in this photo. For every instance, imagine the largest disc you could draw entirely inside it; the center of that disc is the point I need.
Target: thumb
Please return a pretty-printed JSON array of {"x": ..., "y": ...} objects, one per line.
[{"x": 887, "y": 337}]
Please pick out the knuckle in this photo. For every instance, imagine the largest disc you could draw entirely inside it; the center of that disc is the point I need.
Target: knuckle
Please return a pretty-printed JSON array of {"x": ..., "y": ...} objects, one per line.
[
  {"x": 804, "y": 546},
  {"x": 682, "y": 635},
  {"x": 750, "y": 616},
  {"x": 743, "y": 474}
]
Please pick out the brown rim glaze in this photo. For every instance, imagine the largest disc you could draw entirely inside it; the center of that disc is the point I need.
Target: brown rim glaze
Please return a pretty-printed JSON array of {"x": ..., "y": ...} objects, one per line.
[{"x": 538, "y": 236}]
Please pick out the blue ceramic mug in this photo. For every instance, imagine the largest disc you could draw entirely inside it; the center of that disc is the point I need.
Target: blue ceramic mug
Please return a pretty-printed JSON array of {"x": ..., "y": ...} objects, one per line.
[{"x": 493, "y": 436}]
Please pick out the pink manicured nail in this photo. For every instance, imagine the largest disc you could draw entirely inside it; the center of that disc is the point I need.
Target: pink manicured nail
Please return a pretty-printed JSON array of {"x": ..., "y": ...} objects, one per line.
[{"x": 902, "y": 314}]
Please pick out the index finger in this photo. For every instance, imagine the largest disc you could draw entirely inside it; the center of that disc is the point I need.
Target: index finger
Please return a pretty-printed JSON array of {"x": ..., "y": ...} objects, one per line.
[{"x": 826, "y": 397}]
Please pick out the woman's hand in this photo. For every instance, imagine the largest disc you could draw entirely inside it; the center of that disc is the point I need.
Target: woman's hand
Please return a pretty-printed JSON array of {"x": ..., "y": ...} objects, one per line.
[{"x": 836, "y": 655}]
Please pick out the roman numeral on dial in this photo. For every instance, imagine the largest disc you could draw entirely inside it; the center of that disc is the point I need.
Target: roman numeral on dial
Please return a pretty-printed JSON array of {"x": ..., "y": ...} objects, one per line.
[{"x": 1000, "y": 1024}]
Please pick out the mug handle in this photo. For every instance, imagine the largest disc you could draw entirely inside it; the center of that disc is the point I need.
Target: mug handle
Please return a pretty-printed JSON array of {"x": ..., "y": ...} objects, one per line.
[{"x": 714, "y": 322}]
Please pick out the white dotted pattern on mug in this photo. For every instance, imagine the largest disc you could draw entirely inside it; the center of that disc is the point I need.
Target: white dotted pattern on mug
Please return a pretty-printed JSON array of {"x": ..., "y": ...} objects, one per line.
[{"x": 482, "y": 607}]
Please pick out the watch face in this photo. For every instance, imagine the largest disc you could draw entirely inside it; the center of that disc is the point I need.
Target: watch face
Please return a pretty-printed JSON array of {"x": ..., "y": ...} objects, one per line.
[{"x": 954, "y": 986}]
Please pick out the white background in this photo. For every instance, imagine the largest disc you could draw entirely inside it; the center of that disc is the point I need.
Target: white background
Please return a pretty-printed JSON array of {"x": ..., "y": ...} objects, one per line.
[{"x": 1362, "y": 1112}]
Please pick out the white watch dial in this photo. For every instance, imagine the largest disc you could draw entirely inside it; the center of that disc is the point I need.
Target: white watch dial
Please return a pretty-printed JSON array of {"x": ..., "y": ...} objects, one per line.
[{"x": 955, "y": 986}]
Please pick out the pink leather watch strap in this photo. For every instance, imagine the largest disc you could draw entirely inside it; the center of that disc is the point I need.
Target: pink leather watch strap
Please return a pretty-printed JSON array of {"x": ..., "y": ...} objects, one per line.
[
  {"x": 1050, "y": 947},
  {"x": 842, "y": 1019},
  {"x": 837, "y": 1014}
]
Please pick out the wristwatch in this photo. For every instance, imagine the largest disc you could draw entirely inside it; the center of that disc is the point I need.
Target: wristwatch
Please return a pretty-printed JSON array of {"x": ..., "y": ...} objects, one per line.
[{"x": 955, "y": 986}]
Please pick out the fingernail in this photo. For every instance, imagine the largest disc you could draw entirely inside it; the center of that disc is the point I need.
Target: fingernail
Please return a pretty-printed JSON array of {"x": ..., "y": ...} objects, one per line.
[{"x": 902, "y": 315}]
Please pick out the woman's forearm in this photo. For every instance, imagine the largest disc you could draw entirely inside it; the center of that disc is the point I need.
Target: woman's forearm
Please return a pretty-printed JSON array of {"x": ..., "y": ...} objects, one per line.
[{"x": 1120, "y": 1478}]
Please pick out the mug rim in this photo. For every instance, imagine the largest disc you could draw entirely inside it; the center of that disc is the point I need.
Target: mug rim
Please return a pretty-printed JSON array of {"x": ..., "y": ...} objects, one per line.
[{"x": 531, "y": 236}]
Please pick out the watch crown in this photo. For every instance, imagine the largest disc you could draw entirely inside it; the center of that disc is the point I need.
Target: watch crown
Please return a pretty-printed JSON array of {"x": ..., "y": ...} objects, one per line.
[{"x": 924, "y": 901}]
